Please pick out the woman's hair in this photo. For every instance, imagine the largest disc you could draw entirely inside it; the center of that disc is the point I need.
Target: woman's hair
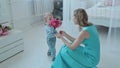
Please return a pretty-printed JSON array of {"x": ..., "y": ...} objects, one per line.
[{"x": 81, "y": 17}]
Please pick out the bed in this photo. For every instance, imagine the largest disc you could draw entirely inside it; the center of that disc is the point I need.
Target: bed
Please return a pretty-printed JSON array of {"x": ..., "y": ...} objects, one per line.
[{"x": 104, "y": 15}]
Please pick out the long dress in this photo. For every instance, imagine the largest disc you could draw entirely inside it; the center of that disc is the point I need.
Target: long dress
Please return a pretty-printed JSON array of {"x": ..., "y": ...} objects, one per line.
[{"x": 82, "y": 57}]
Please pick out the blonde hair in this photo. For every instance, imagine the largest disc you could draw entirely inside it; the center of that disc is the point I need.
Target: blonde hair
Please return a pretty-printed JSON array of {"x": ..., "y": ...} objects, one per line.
[
  {"x": 48, "y": 16},
  {"x": 81, "y": 17}
]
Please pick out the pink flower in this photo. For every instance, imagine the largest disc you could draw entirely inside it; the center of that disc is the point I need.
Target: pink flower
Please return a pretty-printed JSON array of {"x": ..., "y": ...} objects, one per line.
[
  {"x": 4, "y": 30},
  {"x": 5, "y": 33},
  {"x": 55, "y": 23}
]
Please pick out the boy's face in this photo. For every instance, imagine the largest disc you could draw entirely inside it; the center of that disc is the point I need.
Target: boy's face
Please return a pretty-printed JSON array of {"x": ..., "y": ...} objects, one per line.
[{"x": 48, "y": 18}]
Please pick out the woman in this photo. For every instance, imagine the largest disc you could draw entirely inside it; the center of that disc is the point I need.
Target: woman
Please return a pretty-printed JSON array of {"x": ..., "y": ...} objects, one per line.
[{"x": 74, "y": 55}]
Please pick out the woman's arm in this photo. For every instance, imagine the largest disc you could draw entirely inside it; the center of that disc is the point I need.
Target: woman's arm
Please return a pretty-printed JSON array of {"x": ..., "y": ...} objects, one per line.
[
  {"x": 77, "y": 41},
  {"x": 67, "y": 36}
]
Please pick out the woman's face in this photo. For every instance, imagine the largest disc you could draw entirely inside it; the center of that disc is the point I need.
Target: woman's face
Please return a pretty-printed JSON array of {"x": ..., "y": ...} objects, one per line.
[{"x": 75, "y": 21}]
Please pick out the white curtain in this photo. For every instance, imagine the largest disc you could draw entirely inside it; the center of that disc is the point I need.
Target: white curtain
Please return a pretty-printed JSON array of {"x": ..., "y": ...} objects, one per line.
[
  {"x": 43, "y": 6},
  {"x": 38, "y": 7},
  {"x": 4, "y": 11},
  {"x": 113, "y": 39}
]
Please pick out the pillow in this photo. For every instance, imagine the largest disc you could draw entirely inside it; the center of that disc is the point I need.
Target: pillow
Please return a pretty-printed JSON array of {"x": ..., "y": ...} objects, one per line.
[
  {"x": 104, "y": 3},
  {"x": 55, "y": 23},
  {"x": 108, "y": 2}
]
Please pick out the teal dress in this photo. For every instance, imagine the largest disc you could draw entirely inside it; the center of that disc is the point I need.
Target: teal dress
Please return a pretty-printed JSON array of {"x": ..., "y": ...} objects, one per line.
[{"x": 82, "y": 57}]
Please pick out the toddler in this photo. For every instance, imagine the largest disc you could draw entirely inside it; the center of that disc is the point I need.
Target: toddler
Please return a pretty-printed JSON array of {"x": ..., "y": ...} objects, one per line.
[{"x": 50, "y": 25}]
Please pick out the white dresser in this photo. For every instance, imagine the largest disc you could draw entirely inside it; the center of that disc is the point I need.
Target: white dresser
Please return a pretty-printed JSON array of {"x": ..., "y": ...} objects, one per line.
[{"x": 11, "y": 44}]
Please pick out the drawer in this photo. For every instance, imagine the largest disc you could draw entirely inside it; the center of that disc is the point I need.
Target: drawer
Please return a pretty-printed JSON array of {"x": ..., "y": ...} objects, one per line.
[
  {"x": 10, "y": 46},
  {"x": 11, "y": 53},
  {"x": 13, "y": 36}
]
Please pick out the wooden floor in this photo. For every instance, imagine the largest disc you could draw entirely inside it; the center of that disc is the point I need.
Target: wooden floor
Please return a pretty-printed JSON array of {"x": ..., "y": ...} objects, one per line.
[{"x": 35, "y": 49}]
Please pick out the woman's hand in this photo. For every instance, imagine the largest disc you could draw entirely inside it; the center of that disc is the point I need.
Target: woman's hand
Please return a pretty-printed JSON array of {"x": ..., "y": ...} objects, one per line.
[
  {"x": 58, "y": 35},
  {"x": 62, "y": 33}
]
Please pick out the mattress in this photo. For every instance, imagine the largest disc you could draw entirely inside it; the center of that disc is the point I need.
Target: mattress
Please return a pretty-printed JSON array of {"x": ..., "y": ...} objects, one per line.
[
  {"x": 105, "y": 22},
  {"x": 101, "y": 15},
  {"x": 104, "y": 12}
]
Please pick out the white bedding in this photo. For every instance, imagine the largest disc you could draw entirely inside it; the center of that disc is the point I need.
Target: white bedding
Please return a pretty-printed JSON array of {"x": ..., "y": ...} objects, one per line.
[
  {"x": 101, "y": 15},
  {"x": 104, "y": 12}
]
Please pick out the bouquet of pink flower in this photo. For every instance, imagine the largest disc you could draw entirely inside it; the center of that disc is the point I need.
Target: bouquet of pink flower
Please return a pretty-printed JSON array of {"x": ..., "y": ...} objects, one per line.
[
  {"x": 4, "y": 30},
  {"x": 55, "y": 23}
]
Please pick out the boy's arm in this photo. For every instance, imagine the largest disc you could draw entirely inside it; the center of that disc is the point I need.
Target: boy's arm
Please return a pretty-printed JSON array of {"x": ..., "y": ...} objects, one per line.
[{"x": 53, "y": 31}]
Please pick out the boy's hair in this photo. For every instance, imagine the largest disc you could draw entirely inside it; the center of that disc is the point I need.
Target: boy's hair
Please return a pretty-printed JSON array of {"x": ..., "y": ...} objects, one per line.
[{"x": 48, "y": 15}]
